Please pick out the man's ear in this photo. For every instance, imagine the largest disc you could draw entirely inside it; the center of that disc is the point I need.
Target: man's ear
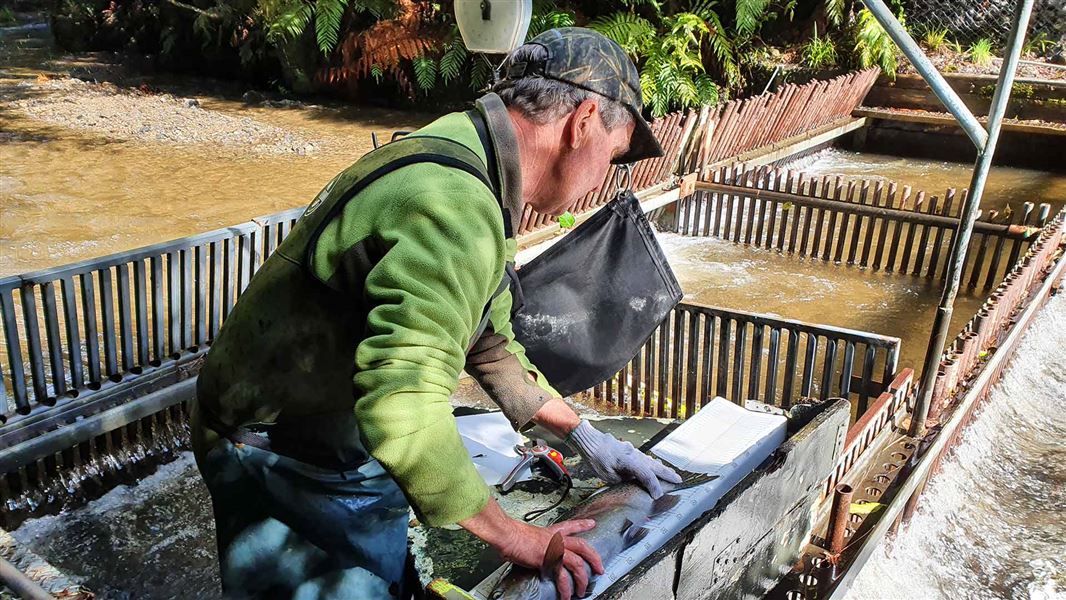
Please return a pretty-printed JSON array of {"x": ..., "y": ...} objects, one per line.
[{"x": 581, "y": 123}]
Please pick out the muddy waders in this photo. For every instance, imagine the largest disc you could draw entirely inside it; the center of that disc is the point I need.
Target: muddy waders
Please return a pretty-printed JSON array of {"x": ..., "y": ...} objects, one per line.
[{"x": 289, "y": 529}]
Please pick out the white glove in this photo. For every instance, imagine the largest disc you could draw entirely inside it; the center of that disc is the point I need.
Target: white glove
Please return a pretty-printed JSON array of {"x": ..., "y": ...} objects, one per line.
[{"x": 615, "y": 461}]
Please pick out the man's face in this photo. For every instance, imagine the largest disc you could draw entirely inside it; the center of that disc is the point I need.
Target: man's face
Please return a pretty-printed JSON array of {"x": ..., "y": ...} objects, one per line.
[{"x": 586, "y": 155}]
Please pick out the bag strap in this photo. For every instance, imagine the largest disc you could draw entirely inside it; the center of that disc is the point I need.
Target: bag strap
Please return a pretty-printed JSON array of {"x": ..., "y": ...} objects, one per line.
[
  {"x": 442, "y": 151},
  {"x": 510, "y": 275}
]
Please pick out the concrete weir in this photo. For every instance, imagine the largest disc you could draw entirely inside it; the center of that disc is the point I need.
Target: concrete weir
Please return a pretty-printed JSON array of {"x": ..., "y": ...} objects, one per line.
[{"x": 752, "y": 537}]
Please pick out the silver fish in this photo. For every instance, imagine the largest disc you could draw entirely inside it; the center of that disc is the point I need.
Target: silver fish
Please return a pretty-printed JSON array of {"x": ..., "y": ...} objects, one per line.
[{"x": 620, "y": 511}]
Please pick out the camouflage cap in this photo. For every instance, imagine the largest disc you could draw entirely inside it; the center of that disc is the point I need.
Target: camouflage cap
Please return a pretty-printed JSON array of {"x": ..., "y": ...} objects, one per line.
[{"x": 588, "y": 60}]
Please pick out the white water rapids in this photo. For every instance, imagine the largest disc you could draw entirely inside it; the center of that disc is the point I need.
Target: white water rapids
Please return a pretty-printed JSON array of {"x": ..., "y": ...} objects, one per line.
[{"x": 992, "y": 523}]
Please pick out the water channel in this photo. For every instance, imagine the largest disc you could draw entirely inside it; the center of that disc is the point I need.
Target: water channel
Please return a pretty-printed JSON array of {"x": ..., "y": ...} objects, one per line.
[{"x": 70, "y": 191}]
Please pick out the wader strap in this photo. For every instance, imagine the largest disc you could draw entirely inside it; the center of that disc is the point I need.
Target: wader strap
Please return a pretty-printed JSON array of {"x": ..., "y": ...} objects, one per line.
[{"x": 237, "y": 435}]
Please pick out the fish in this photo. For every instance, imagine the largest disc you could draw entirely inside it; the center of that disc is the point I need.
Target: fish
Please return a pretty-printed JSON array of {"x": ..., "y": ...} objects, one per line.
[{"x": 621, "y": 513}]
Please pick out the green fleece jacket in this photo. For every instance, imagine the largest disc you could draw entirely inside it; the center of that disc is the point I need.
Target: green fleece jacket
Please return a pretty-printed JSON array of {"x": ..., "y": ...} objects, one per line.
[{"x": 442, "y": 256}]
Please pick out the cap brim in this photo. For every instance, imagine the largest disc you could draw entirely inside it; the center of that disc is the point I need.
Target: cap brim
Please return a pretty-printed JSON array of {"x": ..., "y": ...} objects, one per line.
[{"x": 642, "y": 144}]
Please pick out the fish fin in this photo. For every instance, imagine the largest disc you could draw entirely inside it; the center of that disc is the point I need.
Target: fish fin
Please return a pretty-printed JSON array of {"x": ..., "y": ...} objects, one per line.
[
  {"x": 694, "y": 479},
  {"x": 633, "y": 534},
  {"x": 664, "y": 503},
  {"x": 553, "y": 556}
]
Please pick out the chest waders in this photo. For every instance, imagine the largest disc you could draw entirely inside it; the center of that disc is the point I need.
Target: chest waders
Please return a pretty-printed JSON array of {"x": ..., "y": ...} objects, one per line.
[{"x": 295, "y": 520}]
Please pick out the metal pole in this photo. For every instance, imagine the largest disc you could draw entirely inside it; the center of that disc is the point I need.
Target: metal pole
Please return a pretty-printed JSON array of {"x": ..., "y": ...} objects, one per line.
[
  {"x": 940, "y": 87},
  {"x": 838, "y": 518},
  {"x": 19, "y": 583},
  {"x": 957, "y": 258}
]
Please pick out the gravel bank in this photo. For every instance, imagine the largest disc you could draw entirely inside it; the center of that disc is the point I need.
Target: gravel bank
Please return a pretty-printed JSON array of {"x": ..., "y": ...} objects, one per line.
[{"x": 144, "y": 116}]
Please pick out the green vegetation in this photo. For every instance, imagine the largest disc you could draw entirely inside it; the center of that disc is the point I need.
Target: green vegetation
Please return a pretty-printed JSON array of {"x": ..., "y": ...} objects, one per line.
[
  {"x": 670, "y": 55},
  {"x": 1022, "y": 91},
  {"x": 873, "y": 46},
  {"x": 935, "y": 40},
  {"x": 7, "y": 16},
  {"x": 1038, "y": 44},
  {"x": 1018, "y": 91},
  {"x": 688, "y": 52},
  {"x": 980, "y": 52},
  {"x": 819, "y": 52}
]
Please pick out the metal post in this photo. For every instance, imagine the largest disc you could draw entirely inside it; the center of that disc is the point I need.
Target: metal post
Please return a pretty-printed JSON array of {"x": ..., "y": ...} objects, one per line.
[
  {"x": 957, "y": 258},
  {"x": 940, "y": 87},
  {"x": 19, "y": 583},
  {"x": 838, "y": 518}
]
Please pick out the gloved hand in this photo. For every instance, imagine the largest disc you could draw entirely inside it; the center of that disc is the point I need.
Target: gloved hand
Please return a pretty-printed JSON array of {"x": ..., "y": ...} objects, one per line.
[{"x": 615, "y": 460}]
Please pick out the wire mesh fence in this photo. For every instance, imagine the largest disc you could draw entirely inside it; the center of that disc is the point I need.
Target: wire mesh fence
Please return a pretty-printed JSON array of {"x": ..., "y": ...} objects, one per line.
[{"x": 968, "y": 21}]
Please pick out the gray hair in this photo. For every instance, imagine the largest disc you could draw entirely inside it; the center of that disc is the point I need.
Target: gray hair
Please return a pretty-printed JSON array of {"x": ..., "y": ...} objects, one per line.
[{"x": 544, "y": 100}]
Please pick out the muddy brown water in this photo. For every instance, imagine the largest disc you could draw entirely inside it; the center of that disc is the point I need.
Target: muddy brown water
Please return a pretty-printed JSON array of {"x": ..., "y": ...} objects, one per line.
[
  {"x": 1005, "y": 185},
  {"x": 70, "y": 193}
]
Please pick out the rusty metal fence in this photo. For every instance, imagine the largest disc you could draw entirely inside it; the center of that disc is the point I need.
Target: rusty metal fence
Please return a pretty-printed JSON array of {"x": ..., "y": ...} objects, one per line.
[
  {"x": 739, "y": 126},
  {"x": 699, "y": 352},
  {"x": 696, "y": 138},
  {"x": 868, "y": 223},
  {"x": 971, "y": 348}
]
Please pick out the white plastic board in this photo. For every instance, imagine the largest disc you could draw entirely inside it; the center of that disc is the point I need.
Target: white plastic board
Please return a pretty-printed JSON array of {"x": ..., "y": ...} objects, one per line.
[
  {"x": 721, "y": 439},
  {"x": 490, "y": 441}
]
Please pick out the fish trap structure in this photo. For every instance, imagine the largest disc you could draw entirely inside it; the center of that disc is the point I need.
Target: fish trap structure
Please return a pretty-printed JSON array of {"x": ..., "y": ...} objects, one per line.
[{"x": 100, "y": 356}]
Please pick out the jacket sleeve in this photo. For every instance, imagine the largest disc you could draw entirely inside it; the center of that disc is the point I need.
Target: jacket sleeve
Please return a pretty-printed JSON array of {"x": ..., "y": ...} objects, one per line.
[
  {"x": 499, "y": 364},
  {"x": 443, "y": 259}
]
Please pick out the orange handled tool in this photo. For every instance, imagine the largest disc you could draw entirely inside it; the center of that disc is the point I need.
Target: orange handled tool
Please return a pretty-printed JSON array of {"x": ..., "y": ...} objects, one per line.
[{"x": 540, "y": 454}]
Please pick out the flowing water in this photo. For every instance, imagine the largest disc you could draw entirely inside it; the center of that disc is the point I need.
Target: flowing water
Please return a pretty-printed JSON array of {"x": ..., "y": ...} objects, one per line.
[
  {"x": 1005, "y": 185},
  {"x": 992, "y": 523},
  {"x": 70, "y": 191},
  {"x": 734, "y": 276}
]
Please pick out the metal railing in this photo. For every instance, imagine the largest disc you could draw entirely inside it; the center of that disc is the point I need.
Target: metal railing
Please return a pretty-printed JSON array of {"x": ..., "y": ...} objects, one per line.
[
  {"x": 967, "y": 352},
  {"x": 699, "y": 352},
  {"x": 75, "y": 334},
  {"x": 869, "y": 223}
]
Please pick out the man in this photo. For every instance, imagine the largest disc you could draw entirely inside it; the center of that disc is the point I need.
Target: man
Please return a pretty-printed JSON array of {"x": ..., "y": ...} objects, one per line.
[{"x": 323, "y": 405}]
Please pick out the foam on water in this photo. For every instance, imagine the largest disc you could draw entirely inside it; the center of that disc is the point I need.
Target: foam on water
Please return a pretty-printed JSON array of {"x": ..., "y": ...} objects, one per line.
[
  {"x": 992, "y": 523},
  {"x": 154, "y": 539}
]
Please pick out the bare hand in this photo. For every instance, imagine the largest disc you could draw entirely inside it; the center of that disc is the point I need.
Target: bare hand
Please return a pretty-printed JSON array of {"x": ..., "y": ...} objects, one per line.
[
  {"x": 528, "y": 546},
  {"x": 570, "y": 566}
]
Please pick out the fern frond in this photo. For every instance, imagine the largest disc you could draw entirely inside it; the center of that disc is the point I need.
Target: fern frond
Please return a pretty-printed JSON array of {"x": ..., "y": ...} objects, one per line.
[
  {"x": 425, "y": 72},
  {"x": 873, "y": 45},
  {"x": 547, "y": 15},
  {"x": 628, "y": 30},
  {"x": 289, "y": 22},
  {"x": 379, "y": 9},
  {"x": 750, "y": 14},
  {"x": 480, "y": 74},
  {"x": 703, "y": 8},
  {"x": 452, "y": 61},
  {"x": 328, "y": 15},
  {"x": 834, "y": 9}
]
